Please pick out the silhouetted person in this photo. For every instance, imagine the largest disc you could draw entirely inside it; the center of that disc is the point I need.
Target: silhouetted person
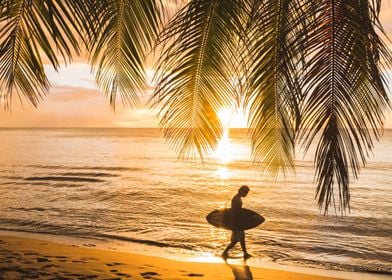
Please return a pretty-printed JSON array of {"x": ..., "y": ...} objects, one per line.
[{"x": 237, "y": 235}]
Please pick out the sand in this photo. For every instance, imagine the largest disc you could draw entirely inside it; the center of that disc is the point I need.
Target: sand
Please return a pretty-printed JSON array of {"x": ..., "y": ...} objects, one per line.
[{"x": 26, "y": 258}]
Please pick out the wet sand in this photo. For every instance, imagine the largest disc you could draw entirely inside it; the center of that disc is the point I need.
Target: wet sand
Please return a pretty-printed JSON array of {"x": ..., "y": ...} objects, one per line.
[{"x": 26, "y": 258}]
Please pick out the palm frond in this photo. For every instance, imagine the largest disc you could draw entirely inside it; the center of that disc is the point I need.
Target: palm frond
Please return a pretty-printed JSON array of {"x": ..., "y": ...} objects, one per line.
[
  {"x": 125, "y": 32},
  {"x": 195, "y": 73},
  {"x": 345, "y": 92},
  {"x": 30, "y": 31},
  {"x": 20, "y": 64},
  {"x": 273, "y": 86}
]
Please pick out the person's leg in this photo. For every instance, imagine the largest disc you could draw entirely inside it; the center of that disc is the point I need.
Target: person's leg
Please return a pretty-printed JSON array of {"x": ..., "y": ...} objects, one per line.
[
  {"x": 233, "y": 241},
  {"x": 243, "y": 245},
  {"x": 229, "y": 247}
]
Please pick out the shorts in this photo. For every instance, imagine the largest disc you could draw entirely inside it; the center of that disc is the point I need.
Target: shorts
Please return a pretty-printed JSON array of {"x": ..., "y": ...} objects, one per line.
[{"x": 237, "y": 235}]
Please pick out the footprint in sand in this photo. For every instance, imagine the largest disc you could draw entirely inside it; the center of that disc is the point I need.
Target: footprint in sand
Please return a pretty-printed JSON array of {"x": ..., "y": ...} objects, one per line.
[
  {"x": 90, "y": 276},
  {"x": 195, "y": 275},
  {"x": 77, "y": 261},
  {"x": 122, "y": 274},
  {"x": 30, "y": 253},
  {"x": 76, "y": 275},
  {"x": 149, "y": 275},
  {"x": 89, "y": 245},
  {"x": 60, "y": 257},
  {"x": 9, "y": 256},
  {"x": 49, "y": 265},
  {"x": 42, "y": 260},
  {"x": 114, "y": 264}
]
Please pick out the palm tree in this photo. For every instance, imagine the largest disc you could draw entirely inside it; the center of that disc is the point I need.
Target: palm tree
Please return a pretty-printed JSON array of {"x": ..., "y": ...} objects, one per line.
[{"x": 307, "y": 70}]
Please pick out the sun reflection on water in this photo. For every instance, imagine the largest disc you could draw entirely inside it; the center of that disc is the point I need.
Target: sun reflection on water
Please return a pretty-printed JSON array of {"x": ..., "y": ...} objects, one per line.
[
  {"x": 224, "y": 155},
  {"x": 224, "y": 151},
  {"x": 223, "y": 173}
]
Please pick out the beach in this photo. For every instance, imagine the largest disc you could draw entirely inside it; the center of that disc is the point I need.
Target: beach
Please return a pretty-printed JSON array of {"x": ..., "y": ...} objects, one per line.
[
  {"x": 98, "y": 184},
  {"x": 27, "y": 258}
]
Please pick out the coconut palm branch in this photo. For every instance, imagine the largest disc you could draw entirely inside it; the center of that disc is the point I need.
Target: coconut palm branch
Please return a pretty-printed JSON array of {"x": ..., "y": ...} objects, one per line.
[
  {"x": 125, "y": 32},
  {"x": 345, "y": 93},
  {"x": 273, "y": 87},
  {"x": 195, "y": 73},
  {"x": 32, "y": 31}
]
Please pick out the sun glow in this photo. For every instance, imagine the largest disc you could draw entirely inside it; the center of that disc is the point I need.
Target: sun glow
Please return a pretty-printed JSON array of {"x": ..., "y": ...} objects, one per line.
[
  {"x": 224, "y": 150},
  {"x": 231, "y": 118},
  {"x": 225, "y": 115},
  {"x": 223, "y": 173}
]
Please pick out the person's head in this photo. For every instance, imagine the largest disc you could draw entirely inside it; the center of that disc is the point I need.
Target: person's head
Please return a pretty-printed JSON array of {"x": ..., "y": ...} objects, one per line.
[{"x": 243, "y": 190}]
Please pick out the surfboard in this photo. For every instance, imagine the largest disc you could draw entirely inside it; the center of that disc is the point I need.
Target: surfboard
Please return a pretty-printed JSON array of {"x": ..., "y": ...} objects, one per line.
[{"x": 243, "y": 220}]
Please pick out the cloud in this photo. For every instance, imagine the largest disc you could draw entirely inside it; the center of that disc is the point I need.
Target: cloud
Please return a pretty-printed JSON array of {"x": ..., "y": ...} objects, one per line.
[
  {"x": 76, "y": 107},
  {"x": 72, "y": 94},
  {"x": 76, "y": 75}
]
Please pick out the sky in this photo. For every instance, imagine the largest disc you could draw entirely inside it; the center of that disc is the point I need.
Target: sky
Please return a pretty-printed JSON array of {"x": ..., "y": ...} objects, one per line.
[{"x": 73, "y": 100}]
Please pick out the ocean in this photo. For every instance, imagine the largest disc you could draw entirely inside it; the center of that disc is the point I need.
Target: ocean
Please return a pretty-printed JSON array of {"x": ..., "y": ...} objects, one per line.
[{"x": 126, "y": 185}]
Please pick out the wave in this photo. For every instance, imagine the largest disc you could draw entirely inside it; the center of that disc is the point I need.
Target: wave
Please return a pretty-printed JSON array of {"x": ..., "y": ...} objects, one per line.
[
  {"x": 88, "y": 174},
  {"x": 372, "y": 268},
  {"x": 63, "y": 178},
  {"x": 145, "y": 241},
  {"x": 43, "y": 184},
  {"x": 80, "y": 233},
  {"x": 103, "y": 168}
]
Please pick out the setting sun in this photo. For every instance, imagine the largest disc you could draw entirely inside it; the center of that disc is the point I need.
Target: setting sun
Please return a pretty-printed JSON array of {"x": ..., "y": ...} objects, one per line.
[
  {"x": 231, "y": 118},
  {"x": 225, "y": 115}
]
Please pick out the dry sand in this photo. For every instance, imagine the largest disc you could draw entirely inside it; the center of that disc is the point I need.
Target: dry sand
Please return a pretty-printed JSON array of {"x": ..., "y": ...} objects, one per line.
[{"x": 25, "y": 258}]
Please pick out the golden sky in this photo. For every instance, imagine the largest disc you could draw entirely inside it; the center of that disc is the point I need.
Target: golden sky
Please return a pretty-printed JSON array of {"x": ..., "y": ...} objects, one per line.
[{"x": 73, "y": 100}]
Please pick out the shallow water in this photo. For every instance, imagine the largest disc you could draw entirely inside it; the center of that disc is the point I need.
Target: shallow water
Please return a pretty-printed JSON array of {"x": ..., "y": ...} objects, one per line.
[{"x": 126, "y": 184}]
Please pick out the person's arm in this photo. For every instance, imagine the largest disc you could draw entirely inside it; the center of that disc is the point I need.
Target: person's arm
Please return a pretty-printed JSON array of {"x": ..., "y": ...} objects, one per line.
[{"x": 236, "y": 203}]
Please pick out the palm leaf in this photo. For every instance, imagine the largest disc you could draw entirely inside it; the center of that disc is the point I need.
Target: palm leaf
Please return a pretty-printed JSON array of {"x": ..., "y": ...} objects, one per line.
[
  {"x": 31, "y": 30},
  {"x": 345, "y": 94},
  {"x": 195, "y": 73},
  {"x": 273, "y": 86},
  {"x": 125, "y": 32}
]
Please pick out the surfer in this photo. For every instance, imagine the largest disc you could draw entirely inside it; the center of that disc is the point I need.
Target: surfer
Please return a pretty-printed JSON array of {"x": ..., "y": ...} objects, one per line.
[{"x": 237, "y": 235}]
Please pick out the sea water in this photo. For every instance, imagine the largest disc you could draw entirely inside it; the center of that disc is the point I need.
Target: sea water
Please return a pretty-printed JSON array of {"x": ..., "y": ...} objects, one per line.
[{"x": 127, "y": 185}]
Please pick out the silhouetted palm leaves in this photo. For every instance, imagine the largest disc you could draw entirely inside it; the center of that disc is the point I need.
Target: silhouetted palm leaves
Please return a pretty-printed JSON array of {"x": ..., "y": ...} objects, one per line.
[
  {"x": 29, "y": 31},
  {"x": 125, "y": 32},
  {"x": 311, "y": 70},
  {"x": 195, "y": 73},
  {"x": 345, "y": 95},
  {"x": 273, "y": 87}
]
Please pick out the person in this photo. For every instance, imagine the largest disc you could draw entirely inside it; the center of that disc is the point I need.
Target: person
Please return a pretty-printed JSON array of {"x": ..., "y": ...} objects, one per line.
[{"x": 237, "y": 235}]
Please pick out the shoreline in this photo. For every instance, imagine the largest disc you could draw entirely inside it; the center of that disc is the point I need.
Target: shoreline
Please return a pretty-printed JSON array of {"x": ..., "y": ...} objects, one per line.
[{"x": 38, "y": 252}]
